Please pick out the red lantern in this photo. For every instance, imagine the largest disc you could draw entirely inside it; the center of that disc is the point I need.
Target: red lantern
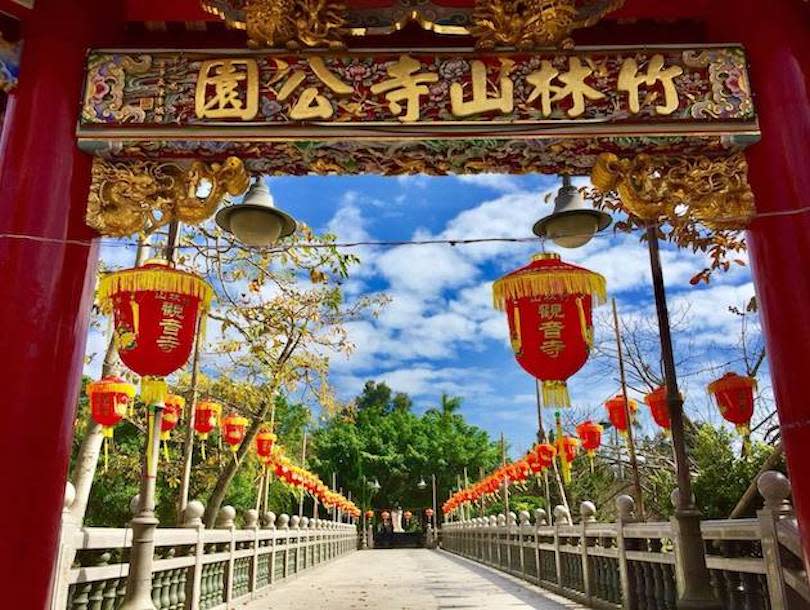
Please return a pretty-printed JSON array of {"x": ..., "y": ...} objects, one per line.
[
  {"x": 735, "y": 398},
  {"x": 407, "y": 514},
  {"x": 590, "y": 435},
  {"x": 369, "y": 514},
  {"x": 548, "y": 303},
  {"x": 429, "y": 513},
  {"x": 206, "y": 417},
  {"x": 659, "y": 408},
  {"x": 618, "y": 415},
  {"x": 264, "y": 444},
  {"x": 172, "y": 412},
  {"x": 156, "y": 310},
  {"x": 233, "y": 430},
  {"x": 109, "y": 400}
]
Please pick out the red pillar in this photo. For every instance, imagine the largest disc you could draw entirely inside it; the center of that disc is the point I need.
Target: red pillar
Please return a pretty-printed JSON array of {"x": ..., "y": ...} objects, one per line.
[
  {"x": 776, "y": 36},
  {"x": 47, "y": 268}
]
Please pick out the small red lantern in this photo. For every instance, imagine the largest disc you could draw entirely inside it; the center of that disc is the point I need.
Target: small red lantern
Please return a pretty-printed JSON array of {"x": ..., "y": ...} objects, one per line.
[
  {"x": 265, "y": 440},
  {"x": 233, "y": 430},
  {"x": 386, "y": 515},
  {"x": 429, "y": 513},
  {"x": 735, "y": 398},
  {"x": 590, "y": 434},
  {"x": 206, "y": 417},
  {"x": 156, "y": 310},
  {"x": 172, "y": 412},
  {"x": 618, "y": 415},
  {"x": 109, "y": 400},
  {"x": 369, "y": 514},
  {"x": 659, "y": 408},
  {"x": 548, "y": 304},
  {"x": 407, "y": 514}
]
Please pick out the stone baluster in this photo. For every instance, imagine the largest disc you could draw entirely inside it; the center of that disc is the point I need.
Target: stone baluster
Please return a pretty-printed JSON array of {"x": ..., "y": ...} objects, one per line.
[
  {"x": 524, "y": 519},
  {"x": 625, "y": 513},
  {"x": 774, "y": 487},
  {"x": 561, "y": 517},
  {"x": 269, "y": 523},
  {"x": 95, "y": 598},
  {"x": 587, "y": 514},
  {"x": 295, "y": 524}
]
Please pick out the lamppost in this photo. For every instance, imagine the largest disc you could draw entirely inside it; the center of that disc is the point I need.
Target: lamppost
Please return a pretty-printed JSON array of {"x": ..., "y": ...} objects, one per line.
[
  {"x": 422, "y": 485},
  {"x": 254, "y": 223},
  {"x": 572, "y": 225}
]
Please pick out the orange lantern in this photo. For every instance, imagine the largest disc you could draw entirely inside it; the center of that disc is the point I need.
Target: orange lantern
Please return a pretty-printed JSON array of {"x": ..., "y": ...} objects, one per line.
[
  {"x": 618, "y": 415},
  {"x": 109, "y": 400},
  {"x": 407, "y": 514},
  {"x": 429, "y": 513},
  {"x": 265, "y": 440},
  {"x": 233, "y": 431},
  {"x": 548, "y": 304},
  {"x": 369, "y": 514},
  {"x": 659, "y": 408},
  {"x": 156, "y": 310},
  {"x": 735, "y": 398},
  {"x": 545, "y": 454}
]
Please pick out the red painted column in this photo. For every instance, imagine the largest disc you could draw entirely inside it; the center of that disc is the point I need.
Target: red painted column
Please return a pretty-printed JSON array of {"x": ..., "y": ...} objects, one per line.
[
  {"x": 777, "y": 37},
  {"x": 47, "y": 268}
]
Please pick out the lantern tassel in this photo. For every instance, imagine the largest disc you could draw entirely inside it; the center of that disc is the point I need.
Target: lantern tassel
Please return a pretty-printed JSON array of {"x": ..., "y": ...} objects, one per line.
[
  {"x": 590, "y": 459},
  {"x": 166, "y": 450},
  {"x": 157, "y": 280},
  {"x": 154, "y": 390},
  {"x": 555, "y": 394},
  {"x": 587, "y": 334},
  {"x": 106, "y": 442},
  {"x": 202, "y": 448},
  {"x": 549, "y": 283}
]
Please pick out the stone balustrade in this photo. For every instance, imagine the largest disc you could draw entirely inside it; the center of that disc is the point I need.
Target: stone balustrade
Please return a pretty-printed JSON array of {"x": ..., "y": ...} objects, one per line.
[
  {"x": 196, "y": 568},
  {"x": 754, "y": 563}
]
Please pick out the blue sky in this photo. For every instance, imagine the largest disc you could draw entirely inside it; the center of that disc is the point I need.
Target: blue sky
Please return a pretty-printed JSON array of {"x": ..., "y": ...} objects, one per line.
[{"x": 440, "y": 332}]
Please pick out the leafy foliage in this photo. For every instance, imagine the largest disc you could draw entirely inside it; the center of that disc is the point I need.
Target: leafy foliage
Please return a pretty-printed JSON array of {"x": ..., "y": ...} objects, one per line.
[{"x": 380, "y": 438}]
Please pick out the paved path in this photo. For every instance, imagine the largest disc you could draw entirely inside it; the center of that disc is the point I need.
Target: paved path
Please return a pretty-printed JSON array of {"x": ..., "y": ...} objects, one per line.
[{"x": 407, "y": 579}]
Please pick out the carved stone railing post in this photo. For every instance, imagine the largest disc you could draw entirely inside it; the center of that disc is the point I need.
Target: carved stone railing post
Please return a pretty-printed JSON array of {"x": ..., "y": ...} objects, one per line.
[
  {"x": 225, "y": 520},
  {"x": 192, "y": 519},
  {"x": 511, "y": 527},
  {"x": 269, "y": 523},
  {"x": 284, "y": 525},
  {"x": 501, "y": 525},
  {"x": 587, "y": 513},
  {"x": 525, "y": 524},
  {"x": 370, "y": 537},
  {"x": 561, "y": 517},
  {"x": 67, "y": 550},
  {"x": 252, "y": 523},
  {"x": 774, "y": 488},
  {"x": 295, "y": 525},
  {"x": 625, "y": 513},
  {"x": 539, "y": 521}
]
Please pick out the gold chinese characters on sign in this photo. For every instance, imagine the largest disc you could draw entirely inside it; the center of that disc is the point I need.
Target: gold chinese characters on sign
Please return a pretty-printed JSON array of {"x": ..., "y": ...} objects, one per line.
[{"x": 411, "y": 89}]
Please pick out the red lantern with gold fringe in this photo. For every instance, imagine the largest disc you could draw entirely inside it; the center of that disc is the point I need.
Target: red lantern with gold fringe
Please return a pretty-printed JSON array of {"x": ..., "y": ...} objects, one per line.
[
  {"x": 206, "y": 417},
  {"x": 369, "y": 514},
  {"x": 156, "y": 309},
  {"x": 567, "y": 452},
  {"x": 233, "y": 431},
  {"x": 109, "y": 399},
  {"x": 735, "y": 398},
  {"x": 172, "y": 412},
  {"x": 265, "y": 440},
  {"x": 545, "y": 454},
  {"x": 590, "y": 435},
  {"x": 617, "y": 414},
  {"x": 659, "y": 408},
  {"x": 548, "y": 304}
]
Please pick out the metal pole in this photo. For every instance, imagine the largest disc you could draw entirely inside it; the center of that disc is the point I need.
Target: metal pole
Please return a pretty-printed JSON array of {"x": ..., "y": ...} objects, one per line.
[
  {"x": 334, "y": 485},
  {"x": 631, "y": 444},
  {"x": 139, "y": 583},
  {"x": 188, "y": 447},
  {"x": 541, "y": 438},
  {"x": 505, "y": 481},
  {"x": 171, "y": 240},
  {"x": 463, "y": 507},
  {"x": 303, "y": 465},
  {"x": 433, "y": 482},
  {"x": 697, "y": 591}
]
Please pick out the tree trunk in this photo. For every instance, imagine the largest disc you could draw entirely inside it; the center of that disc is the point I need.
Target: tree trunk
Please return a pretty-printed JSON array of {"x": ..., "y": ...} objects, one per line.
[
  {"x": 84, "y": 470},
  {"x": 224, "y": 480},
  {"x": 748, "y": 498}
]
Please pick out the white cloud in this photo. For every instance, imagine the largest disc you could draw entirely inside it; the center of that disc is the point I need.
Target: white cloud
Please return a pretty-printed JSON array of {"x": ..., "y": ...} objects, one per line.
[{"x": 504, "y": 183}]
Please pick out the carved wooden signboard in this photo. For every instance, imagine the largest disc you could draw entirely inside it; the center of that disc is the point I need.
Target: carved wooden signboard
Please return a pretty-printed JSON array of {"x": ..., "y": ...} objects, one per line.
[{"x": 418, "y": 111}]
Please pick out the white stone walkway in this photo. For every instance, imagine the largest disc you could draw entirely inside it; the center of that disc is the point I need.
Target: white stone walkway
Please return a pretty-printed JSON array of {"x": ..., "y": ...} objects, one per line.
[{"x": 407, "y": 579}]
